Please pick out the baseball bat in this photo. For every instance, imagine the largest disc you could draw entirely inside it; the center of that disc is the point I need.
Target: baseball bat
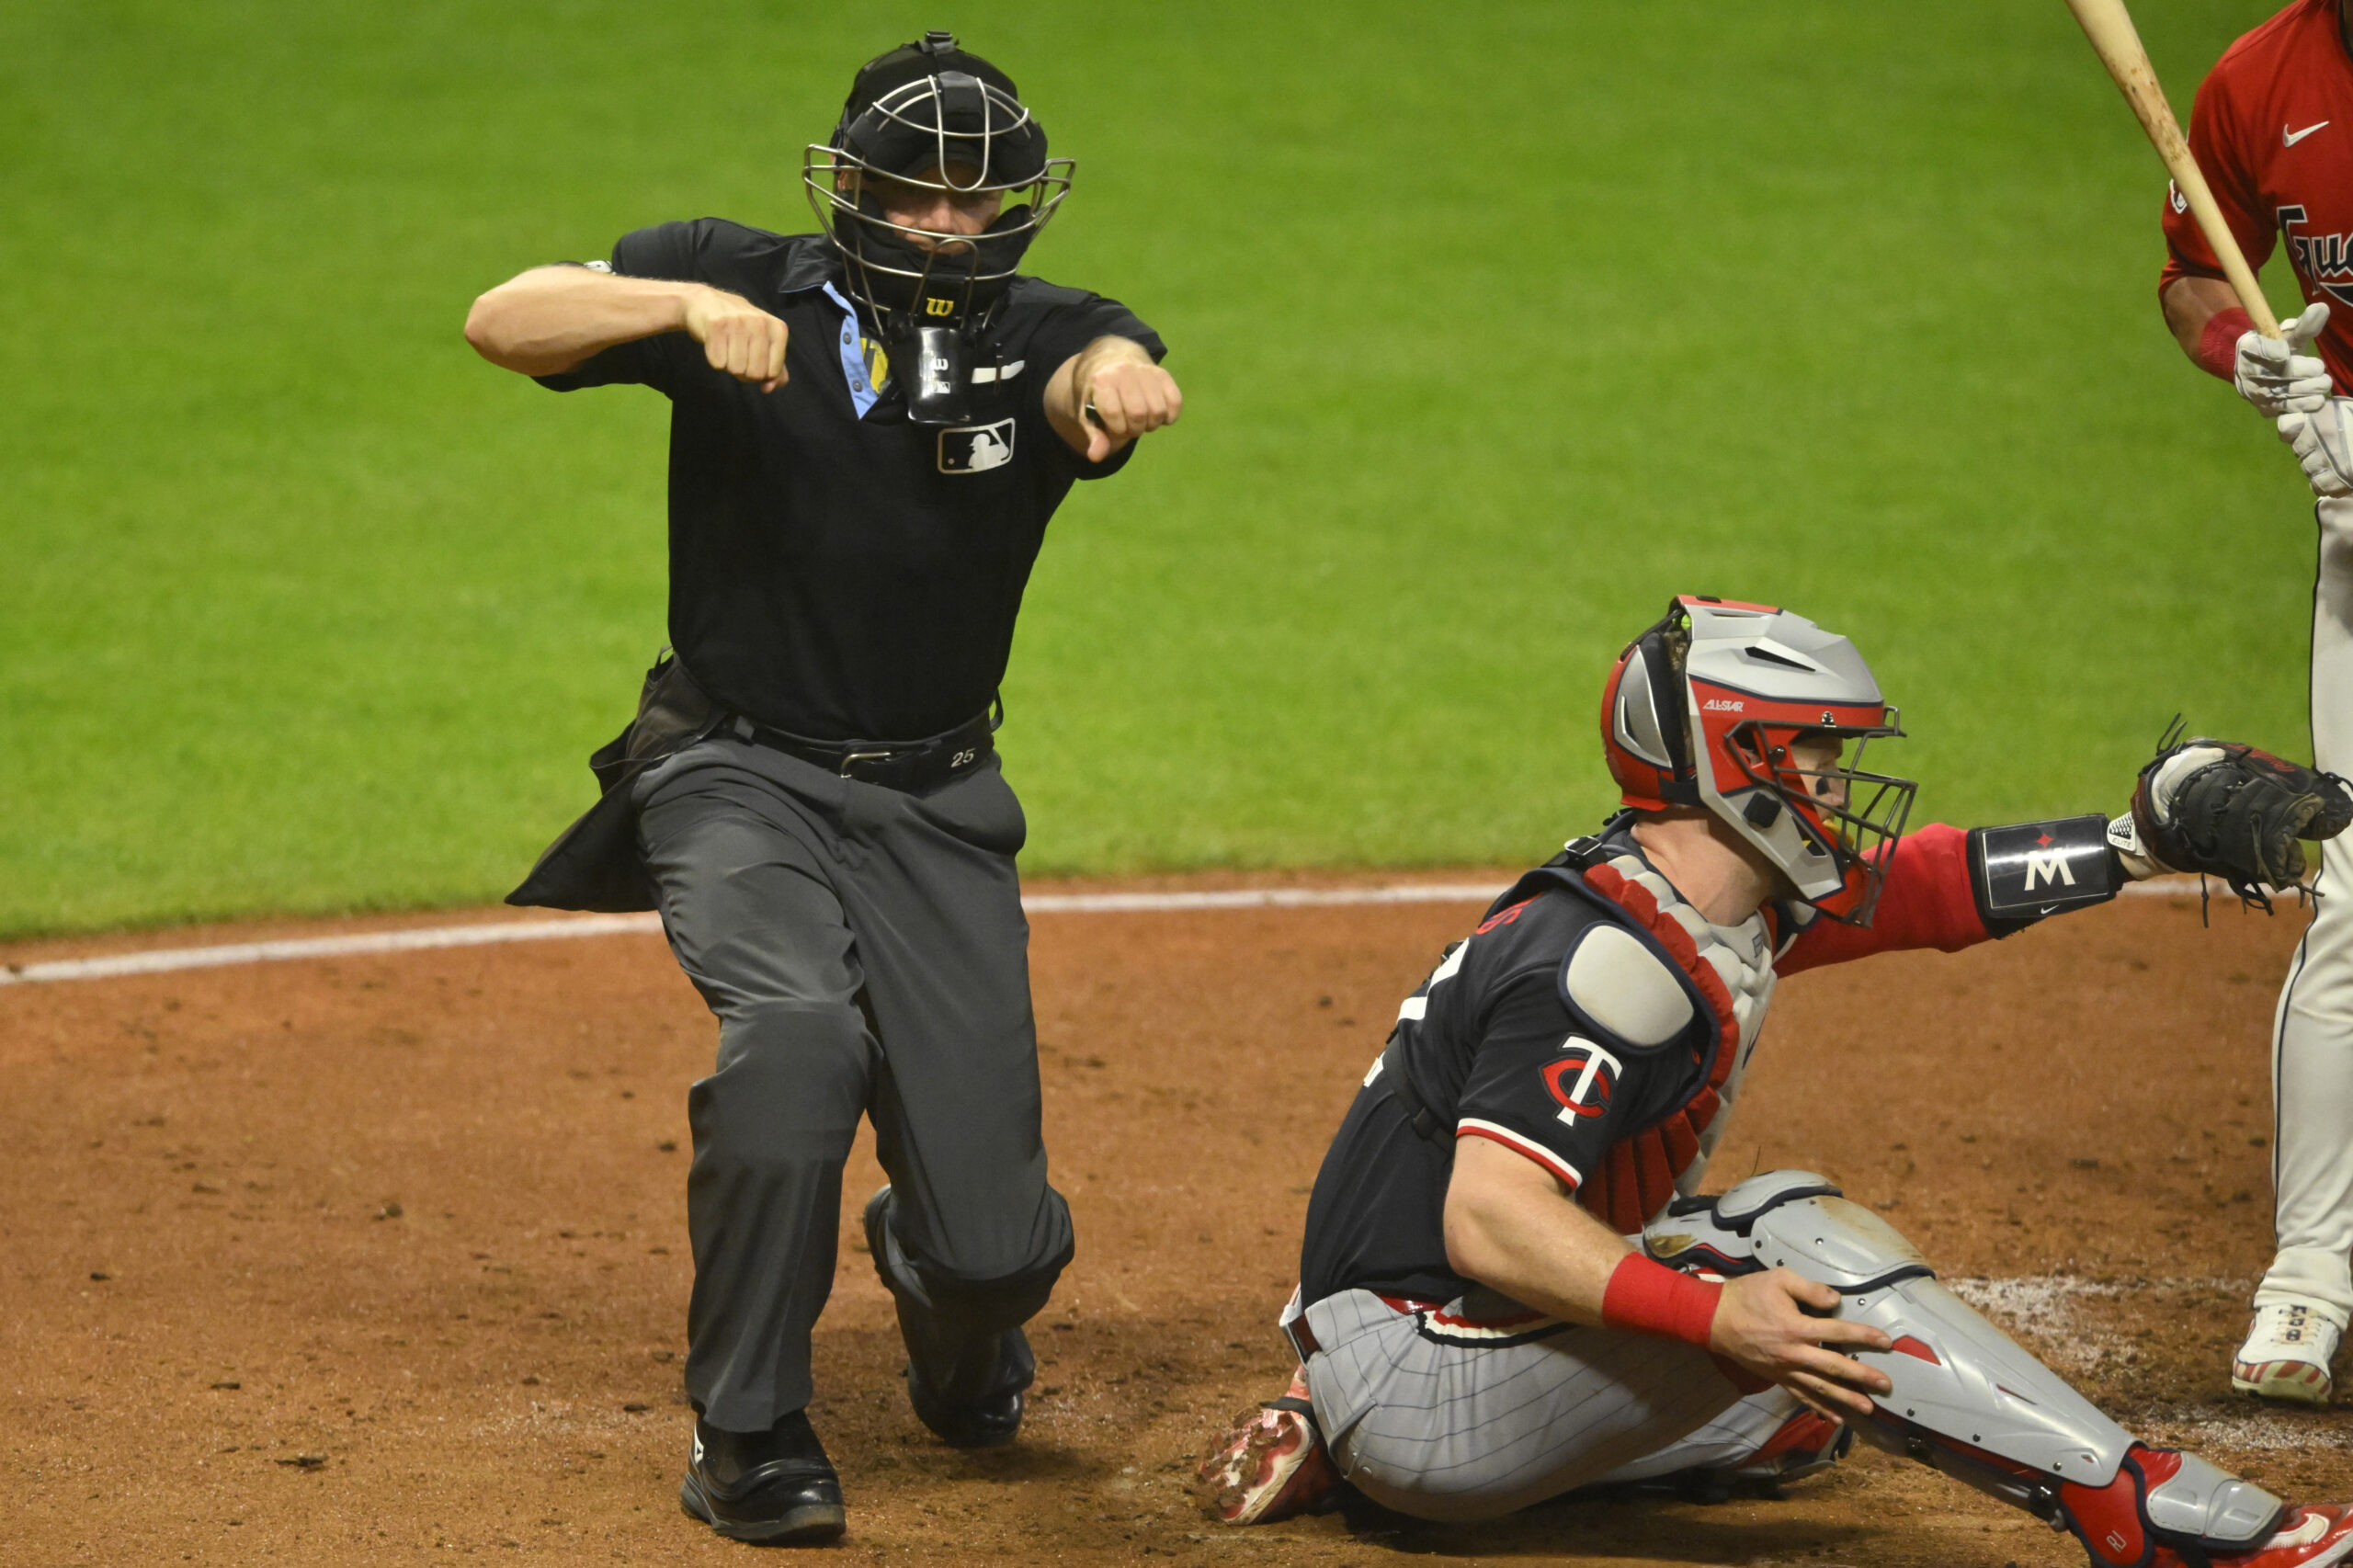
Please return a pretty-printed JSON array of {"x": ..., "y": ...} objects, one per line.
[{"x": 2118, "y": 44}]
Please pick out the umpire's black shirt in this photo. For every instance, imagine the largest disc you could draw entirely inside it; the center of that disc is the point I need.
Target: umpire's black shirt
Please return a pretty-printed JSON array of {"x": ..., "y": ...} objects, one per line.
[{"x": 838, "y": 577}]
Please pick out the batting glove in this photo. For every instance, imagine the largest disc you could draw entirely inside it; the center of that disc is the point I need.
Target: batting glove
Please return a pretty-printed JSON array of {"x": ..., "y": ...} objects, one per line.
[
  {"x": 2323, "y": 440},
  {"x": 2276, "y": 374}
]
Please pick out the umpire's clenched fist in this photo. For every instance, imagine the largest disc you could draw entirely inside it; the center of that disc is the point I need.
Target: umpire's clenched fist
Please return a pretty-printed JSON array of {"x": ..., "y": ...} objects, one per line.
[
  {"x": 1108, "y": 393},
  {"x": 737, "y": 337}
]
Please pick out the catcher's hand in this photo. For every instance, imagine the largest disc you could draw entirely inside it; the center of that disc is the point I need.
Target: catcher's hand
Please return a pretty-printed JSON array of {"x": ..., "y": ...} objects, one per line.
[{"x": 2235, "y": 812}]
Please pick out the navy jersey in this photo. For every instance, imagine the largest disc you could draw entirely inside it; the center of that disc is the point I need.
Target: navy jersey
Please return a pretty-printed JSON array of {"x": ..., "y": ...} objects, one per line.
[
  {"x": 1597, "y": 1024},
  {"x": 1498, "y": 1046}
]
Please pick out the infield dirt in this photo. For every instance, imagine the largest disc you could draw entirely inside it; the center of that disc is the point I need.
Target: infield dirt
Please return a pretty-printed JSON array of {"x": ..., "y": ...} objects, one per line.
[{"x": 383, "y": 1260}]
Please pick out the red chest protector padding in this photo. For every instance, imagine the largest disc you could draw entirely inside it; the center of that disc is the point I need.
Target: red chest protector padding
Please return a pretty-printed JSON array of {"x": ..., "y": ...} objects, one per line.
[{"x": 1637, "y": 1178}]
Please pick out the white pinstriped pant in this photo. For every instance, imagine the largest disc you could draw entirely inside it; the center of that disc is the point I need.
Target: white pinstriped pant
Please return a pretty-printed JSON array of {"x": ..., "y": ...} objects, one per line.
[
  {"x": 2311, "y": 1037},
  {"x": 1446, "y": 1430}
]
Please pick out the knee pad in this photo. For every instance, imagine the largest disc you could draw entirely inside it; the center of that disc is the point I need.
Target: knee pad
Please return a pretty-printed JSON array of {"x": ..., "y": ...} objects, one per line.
[
  {"x": 1967, "y": 1398},
  {"x": 960, "y": 1308}
]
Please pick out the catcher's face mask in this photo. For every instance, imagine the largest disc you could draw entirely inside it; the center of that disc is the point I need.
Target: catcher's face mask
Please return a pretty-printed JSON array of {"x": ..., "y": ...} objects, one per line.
[
  {"x": 931, "y": 138},
  {"x": 1748, "y": 712}
]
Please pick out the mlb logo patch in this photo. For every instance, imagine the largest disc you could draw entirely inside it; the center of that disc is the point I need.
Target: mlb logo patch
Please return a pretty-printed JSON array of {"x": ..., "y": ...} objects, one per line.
[{"x": 976, "y": 448}]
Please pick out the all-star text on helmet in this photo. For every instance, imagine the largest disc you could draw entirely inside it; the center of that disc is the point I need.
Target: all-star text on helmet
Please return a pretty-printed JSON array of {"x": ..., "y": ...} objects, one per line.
[
  {"x": 921, "y": 115},
  {"x": 1730, "y": 708}
]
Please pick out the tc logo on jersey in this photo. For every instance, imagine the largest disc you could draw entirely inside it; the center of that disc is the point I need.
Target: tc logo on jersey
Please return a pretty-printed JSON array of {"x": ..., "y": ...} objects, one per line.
[
  {"x": 2325, "y": 261},
  {"x": 1581, "y": 1080},
  {"x": 976, "y": 448}
]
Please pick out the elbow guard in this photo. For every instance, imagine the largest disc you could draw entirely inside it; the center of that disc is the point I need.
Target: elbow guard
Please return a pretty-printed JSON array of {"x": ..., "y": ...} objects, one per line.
[{"x": 2023, "y": 873}]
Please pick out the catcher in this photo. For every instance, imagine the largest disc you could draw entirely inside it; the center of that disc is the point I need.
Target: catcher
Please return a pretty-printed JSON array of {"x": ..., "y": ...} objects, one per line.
[{"x": 1510, "y": 1285}]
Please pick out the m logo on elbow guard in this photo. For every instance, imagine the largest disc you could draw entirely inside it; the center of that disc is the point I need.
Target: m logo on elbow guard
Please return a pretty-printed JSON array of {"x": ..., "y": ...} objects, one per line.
[
  {"x": 976, "y": 448},
  {"x": 2048, "y": 866},
  {"x": 2034, "y": 869}
]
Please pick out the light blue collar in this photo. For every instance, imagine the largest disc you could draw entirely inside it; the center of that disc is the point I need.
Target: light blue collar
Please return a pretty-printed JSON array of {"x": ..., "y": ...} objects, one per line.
[{"x": 861, "y": 391}]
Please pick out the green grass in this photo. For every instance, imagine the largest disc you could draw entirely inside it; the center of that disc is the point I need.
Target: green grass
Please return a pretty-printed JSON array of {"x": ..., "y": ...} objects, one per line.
[{"x": 1498, "y": 326}]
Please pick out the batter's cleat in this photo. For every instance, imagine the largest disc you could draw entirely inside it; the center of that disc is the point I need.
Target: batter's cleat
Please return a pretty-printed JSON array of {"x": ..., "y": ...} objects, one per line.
[
  {"x": 2286, "y": 1357},
  {"x": 970, "y": 1392},
  {"x": 1272, "y": 1465},
  {"x": 772, "y": 1488},
  {"x": 2307, "y": 1538}
]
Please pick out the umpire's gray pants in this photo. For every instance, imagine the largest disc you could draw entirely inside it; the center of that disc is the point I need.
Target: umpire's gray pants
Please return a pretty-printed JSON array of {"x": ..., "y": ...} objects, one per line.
[
  {"x": 1442, "y": 1429},
  {"x": 865, "y": 952}
]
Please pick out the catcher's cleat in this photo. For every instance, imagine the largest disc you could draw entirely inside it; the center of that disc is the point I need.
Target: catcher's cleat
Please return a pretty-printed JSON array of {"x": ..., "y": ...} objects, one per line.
[
  {"x": 1272, "y": 1465},
  {"x": 2286, "y": 1357},
  {"x": 772, "y": 1488},
  {"x": 2307, "y": 1538},
  {"x": 1806, "y": 1444}
]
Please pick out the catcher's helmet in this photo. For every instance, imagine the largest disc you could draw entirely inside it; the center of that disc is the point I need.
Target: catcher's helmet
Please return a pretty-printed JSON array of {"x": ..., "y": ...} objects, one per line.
[
  {"x": 1702, "y": 712},
  {"x": 912, "y": 114}
]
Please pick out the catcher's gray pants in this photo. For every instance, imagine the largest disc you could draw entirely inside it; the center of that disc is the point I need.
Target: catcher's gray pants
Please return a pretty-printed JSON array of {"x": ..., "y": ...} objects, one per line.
[
  {"x": 865, "y": 952},
  {"x": 2311, "y": 1057},
  {"x": 1443, "y": 1429}
]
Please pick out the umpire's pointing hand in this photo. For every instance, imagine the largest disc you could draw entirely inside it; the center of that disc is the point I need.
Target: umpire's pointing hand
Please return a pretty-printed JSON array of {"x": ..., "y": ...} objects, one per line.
[
  {"x": 737, "y": 337},
  {"x": 1761, "y": 1325},
  {"x": 1108, "y": 393}
]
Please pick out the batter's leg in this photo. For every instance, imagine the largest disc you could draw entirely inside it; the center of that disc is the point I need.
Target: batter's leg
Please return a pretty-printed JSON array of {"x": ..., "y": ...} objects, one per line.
[
  {"x": 758, "y": 929},
  {"x": 2302, "y": 1305}
]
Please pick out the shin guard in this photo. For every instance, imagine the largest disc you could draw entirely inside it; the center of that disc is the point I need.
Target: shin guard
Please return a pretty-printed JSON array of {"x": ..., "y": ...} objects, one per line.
[{"x": 1968, "y": 1400}]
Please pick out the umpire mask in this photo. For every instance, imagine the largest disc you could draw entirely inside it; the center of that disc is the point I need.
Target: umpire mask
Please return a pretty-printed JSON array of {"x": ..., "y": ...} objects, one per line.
[{"x": 928, "y": 120}]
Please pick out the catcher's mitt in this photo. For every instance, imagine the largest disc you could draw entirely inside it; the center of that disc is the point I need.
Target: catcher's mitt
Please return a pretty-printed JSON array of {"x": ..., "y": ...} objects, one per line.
[{"x": 2235, "y": 812}]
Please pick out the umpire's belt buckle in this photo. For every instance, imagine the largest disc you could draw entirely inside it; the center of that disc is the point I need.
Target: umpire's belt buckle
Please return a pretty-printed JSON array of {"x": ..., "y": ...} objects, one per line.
[{"x": 852, "y": 760}]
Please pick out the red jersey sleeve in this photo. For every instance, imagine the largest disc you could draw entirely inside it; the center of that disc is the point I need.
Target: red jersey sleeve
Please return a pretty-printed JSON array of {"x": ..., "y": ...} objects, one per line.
[
  {"x": 2218, "y": 139},
  {"x": 1926, "y": 901}
]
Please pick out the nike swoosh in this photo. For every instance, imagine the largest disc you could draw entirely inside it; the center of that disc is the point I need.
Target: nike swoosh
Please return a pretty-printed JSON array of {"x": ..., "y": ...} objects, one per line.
[{"x": 2289, "y": 138}]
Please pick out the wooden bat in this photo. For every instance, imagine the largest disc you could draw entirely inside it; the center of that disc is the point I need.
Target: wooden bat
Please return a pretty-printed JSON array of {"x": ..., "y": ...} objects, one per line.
[{"x": 2114, "y": 39}]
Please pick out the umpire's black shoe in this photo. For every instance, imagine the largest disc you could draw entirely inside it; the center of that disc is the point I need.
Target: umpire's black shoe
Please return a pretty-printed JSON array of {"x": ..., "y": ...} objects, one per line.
[
  {"x": 772, "y": 1488},
  {"x": 970, "y": 1393}
]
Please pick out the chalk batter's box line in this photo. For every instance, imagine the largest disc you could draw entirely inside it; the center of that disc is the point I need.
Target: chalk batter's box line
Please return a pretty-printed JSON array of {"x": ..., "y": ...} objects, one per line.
[{"x": 165, "y": 960}]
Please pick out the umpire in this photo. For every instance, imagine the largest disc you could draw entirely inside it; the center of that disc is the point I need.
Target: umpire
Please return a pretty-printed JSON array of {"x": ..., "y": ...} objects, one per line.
[{"x": 870, "y": 428}]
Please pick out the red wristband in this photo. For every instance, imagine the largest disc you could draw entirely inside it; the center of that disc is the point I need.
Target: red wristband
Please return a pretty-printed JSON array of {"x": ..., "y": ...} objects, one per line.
[
  {"x": 2218, "y": 345},
  {"x": 1650, "y": 1298}
]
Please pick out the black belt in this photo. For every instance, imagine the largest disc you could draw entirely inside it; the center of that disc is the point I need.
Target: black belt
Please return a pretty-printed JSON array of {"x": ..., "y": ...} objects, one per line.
[
  {"x": 913, "y": 766},
  {"x": 1425, "y": 1124}
]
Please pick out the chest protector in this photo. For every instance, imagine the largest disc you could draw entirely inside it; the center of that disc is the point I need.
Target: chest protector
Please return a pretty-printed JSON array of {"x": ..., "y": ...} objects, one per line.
[{"x": 1731, "y": 968}]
